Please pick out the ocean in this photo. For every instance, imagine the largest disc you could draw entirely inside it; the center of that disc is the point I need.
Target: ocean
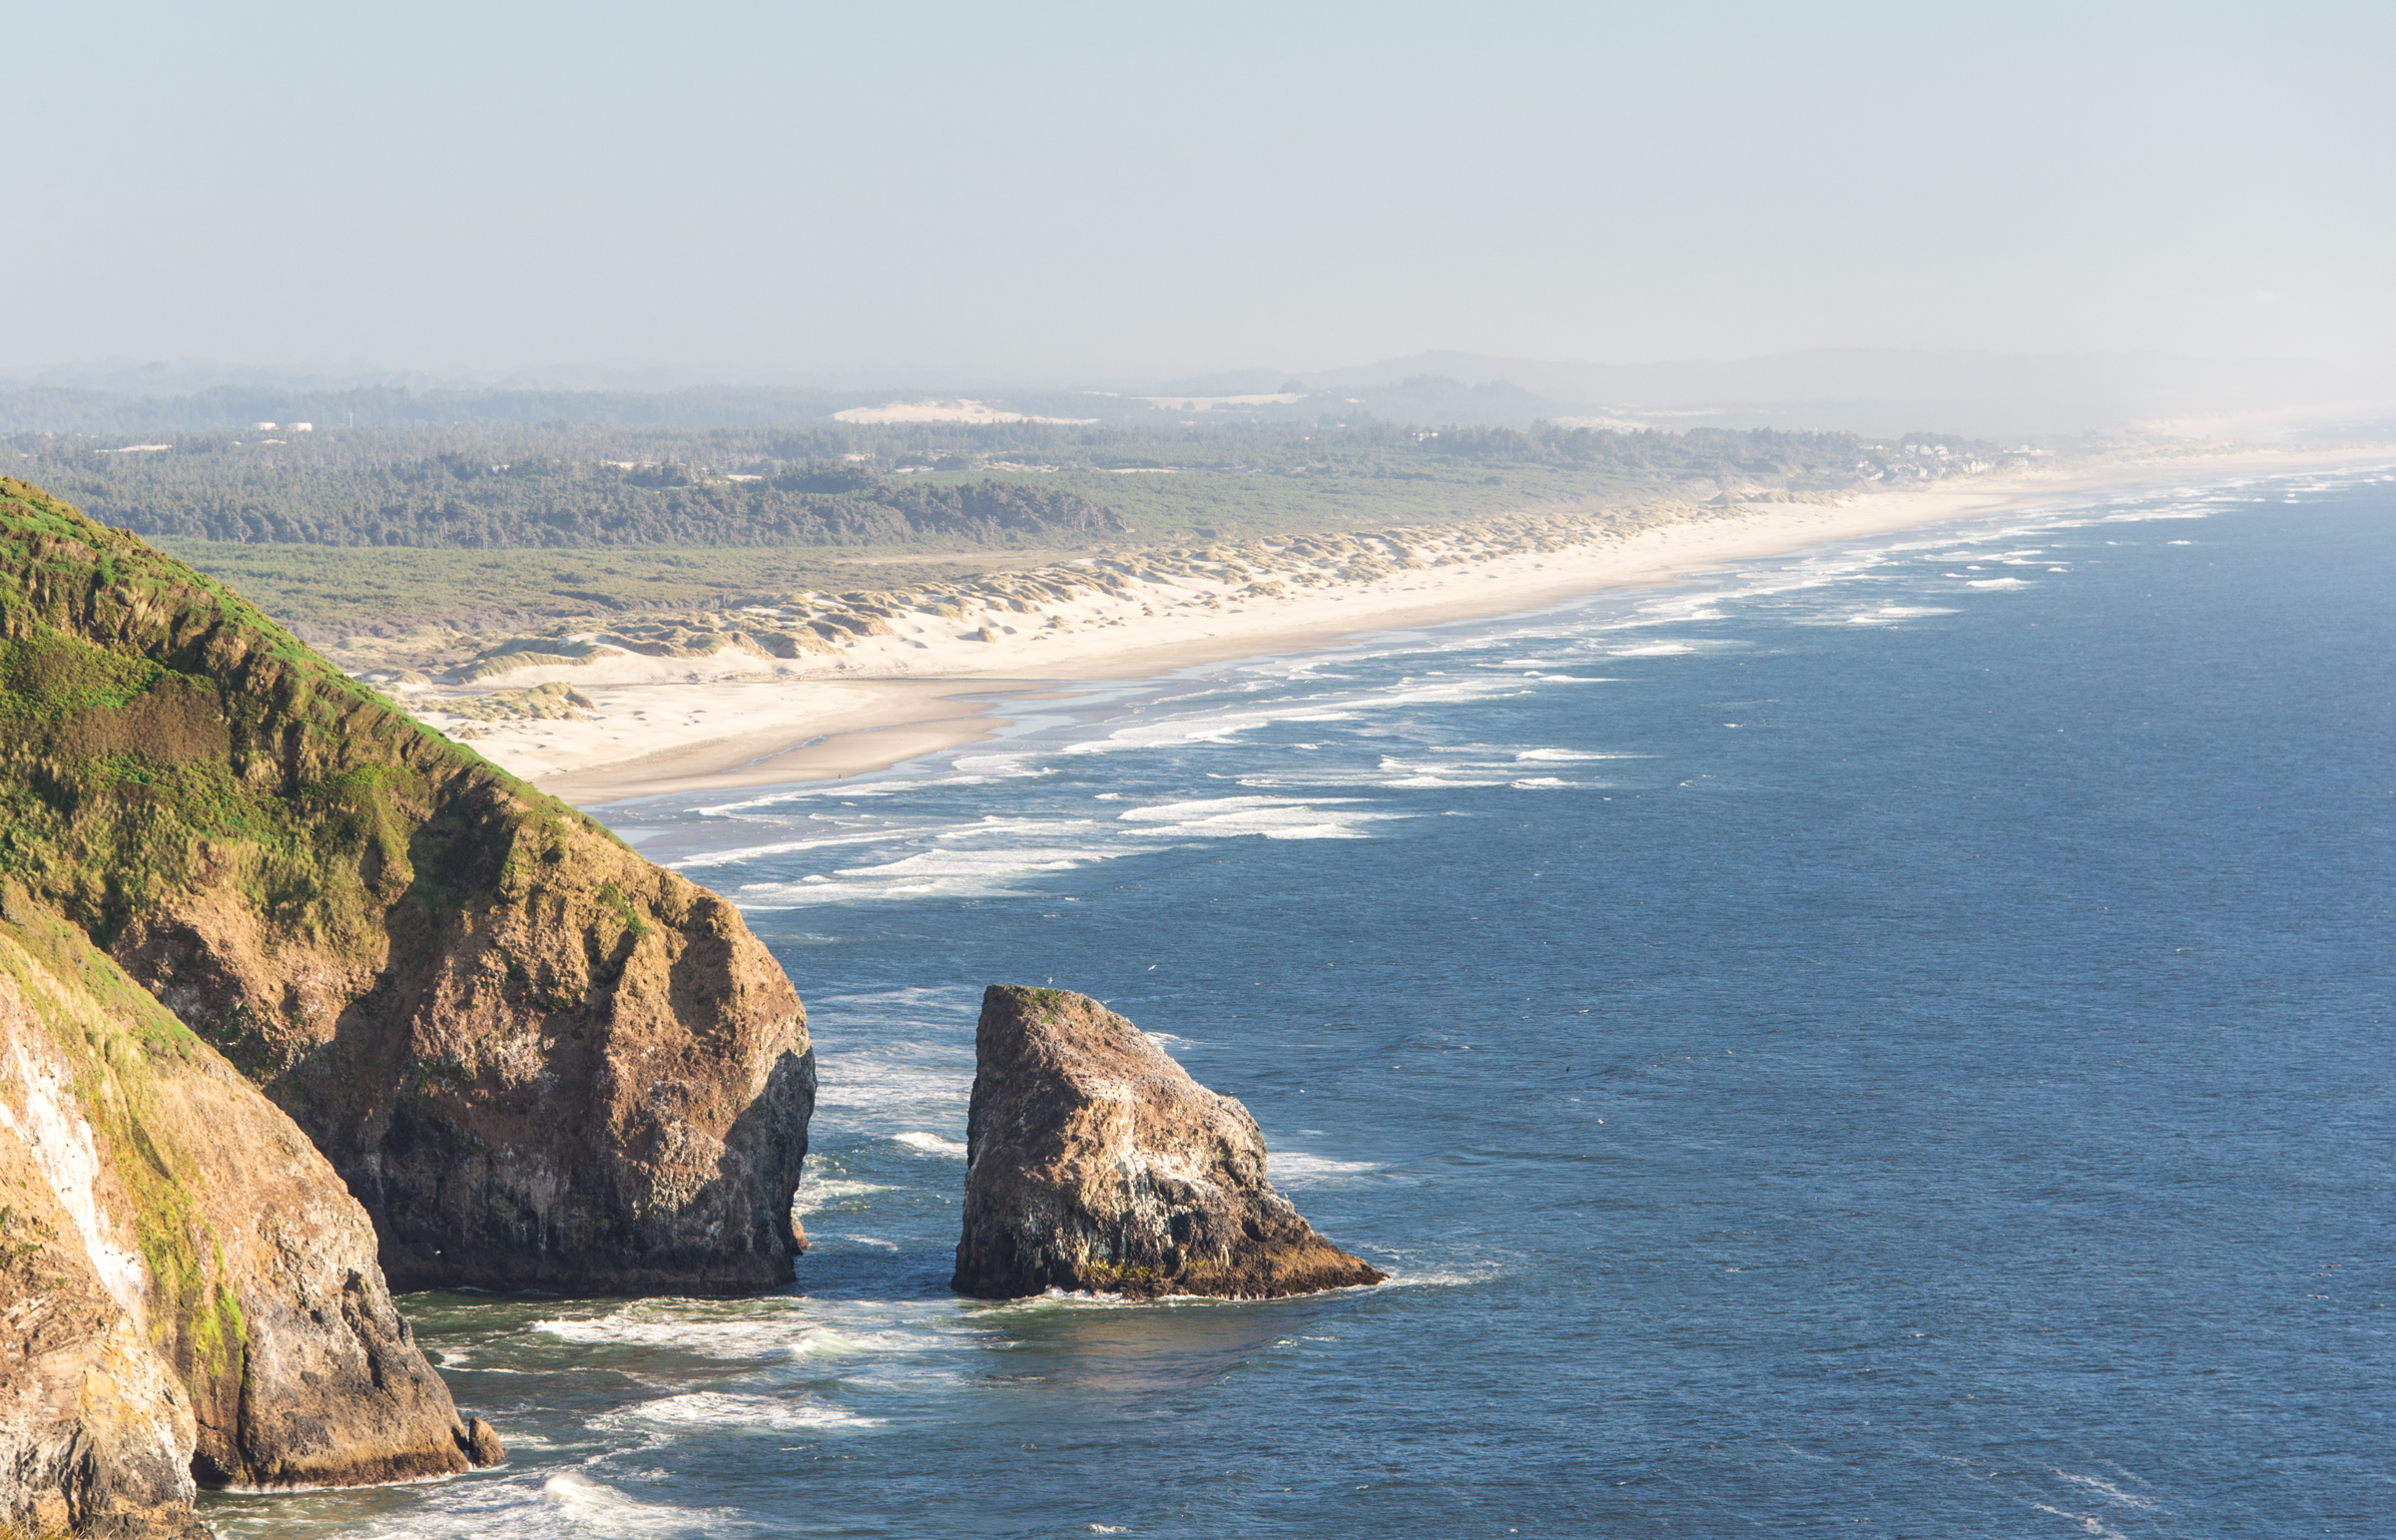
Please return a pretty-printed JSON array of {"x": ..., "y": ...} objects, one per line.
[{"x": 1888, "y": 1040}]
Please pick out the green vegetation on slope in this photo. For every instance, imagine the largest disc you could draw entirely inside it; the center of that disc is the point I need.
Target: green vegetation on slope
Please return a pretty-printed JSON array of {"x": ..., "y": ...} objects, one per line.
[
  {"x": 582, "y": 486},
  {"x": 120, "y": 1043},
  {"x": 325, "y": 592},
  {"x": 164, "y": 736}
]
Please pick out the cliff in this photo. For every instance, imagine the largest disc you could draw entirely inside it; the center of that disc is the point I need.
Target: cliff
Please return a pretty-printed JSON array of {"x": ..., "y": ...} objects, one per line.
[
  {"x": 184, "y": 1288},
  {"x": 1094, "y": 1162},
  {"x": 539, "y": 1060}
]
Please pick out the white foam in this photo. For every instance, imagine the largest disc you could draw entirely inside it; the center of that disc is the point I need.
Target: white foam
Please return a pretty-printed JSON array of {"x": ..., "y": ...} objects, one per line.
[
  {"x": 2109, "y": 1489},
  {"x": 1892, "y": 611},
  {"x": 934, "y": 1143},
  {"x": 752, "y": 1334},
  {"x": 951, "y": 862},
  {"x": 1996, "y": 583},
  {"x": 1274, "y": 818},
  {"x": 945, "y": 860},
  {"x": 717, "y": 1412},
  {"x": 814, "y": 790},
  {"x": 1540, "y": 784},
  {"x": 879, "y": 836},
  {"x": 868, "y": 1081},
  {"x": 815, "y": 1194},
  {"x": 2086, "y": 1523},
  {"x": 1308, "y": 1168},
  {"x": 587, "y": 1506}
]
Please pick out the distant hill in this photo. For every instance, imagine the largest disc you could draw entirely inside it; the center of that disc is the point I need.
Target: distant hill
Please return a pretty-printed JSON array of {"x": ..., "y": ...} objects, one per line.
[
  {"x": 1882, "y": 391},
  {"x": 1874, "y": 392}
]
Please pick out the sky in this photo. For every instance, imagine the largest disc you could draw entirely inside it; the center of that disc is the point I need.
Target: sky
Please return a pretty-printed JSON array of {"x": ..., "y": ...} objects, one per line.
[{"x": 1078, "y": 193}]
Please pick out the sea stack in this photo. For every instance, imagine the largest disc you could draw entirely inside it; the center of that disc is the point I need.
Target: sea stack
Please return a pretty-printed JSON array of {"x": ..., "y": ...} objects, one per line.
[{"x": 1095, "y": 1162}]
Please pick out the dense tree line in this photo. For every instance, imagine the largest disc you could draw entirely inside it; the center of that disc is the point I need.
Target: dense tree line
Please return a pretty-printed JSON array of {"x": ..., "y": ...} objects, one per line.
[
  {"x": 450, "y": 500},
  {"x": 582, "y": 484}
]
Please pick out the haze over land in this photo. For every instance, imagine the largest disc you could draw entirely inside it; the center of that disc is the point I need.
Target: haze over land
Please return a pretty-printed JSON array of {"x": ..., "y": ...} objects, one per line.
[{"x": 2041, "y": 221}]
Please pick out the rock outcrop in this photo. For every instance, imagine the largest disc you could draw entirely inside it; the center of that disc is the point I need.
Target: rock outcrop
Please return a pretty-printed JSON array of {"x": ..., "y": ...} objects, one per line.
[
  {"x": 1095, "y": 1162},
  {"x": 186, "y": 1290},
  {"x": 539, "y": 1060}
]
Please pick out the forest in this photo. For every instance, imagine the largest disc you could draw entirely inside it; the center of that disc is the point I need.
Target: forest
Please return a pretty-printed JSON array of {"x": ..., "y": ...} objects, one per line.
[{"x": 495, "y": 486}]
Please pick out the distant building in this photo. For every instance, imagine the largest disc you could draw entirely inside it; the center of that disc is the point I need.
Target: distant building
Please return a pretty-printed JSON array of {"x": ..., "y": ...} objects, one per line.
[
  {"x": 304, "y": 427},
  {"x": 261, "y": 427}
]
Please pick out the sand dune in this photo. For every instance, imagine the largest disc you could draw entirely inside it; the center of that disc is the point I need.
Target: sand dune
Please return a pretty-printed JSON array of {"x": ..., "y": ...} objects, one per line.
[{"x": 818, "y": 685}]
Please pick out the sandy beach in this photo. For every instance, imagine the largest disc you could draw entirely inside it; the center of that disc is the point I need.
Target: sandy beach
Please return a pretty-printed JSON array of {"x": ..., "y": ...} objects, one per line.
[{"x": 905, "y": 681}]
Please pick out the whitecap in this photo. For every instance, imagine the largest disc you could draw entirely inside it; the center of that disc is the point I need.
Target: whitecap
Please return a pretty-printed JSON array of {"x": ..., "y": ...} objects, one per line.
[
  {"x": 2086, "y": 1523},
  {"x": 1892, "y": 611},
  {"x": 816, "y": 1193},
  {"x": 1996, "y": 583},
  {"x": 1275, "y": 818},
  {"x": 718, "y": 1411},
  {"x": 933, "y": 1144},
  {"x": 590, "y": 1506},
  {"x": 1290, "y": 1165},
  {"x": 792, "y": 846},
  {"x": 2109, "y": 1489},
  {"x": 751, "y": 1335},
  {"x": 922, "y": 1091}
]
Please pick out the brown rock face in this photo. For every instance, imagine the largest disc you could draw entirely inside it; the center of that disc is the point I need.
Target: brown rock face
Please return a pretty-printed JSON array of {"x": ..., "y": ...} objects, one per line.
[
  {"x": 539, "y": 1060},
  {"x": 598, "y": 1082},
  {"x": 186, "y": 1288},
  {"x": 1094, "y": 1162}
]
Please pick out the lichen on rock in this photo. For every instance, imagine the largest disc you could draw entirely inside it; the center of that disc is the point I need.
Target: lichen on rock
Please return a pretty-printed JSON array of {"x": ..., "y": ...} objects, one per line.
[{"x": 1095, "y": 1162}]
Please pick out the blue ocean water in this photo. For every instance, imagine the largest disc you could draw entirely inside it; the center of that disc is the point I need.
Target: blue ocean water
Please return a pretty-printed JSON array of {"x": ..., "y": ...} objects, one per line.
[{"x": 1889, "y": 1040}]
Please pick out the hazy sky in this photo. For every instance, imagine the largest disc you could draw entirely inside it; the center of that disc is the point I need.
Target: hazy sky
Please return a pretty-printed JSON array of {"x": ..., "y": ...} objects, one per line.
[{"x": 1084, "y": 193}]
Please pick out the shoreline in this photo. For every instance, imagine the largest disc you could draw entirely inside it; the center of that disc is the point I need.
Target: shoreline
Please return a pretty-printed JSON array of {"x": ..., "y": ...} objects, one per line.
[{"x": 649, "y": 727}]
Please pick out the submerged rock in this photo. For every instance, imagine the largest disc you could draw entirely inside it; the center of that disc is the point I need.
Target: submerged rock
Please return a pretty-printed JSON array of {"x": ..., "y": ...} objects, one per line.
[
  {"x": 186, "y": 1288},
  {"x": 1094, "y": 1162},
  {"x": 539, "y": 1060}
]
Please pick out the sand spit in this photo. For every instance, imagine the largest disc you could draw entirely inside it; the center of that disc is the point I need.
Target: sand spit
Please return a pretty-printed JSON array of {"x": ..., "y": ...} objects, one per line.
[{"x": 807, "y": 686}]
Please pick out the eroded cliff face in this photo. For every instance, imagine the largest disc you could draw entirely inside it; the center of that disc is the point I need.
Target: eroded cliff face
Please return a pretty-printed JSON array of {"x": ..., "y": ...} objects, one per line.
[
  {"x": 186, "y": 1290},
  {"x": 539, "y": 1060},
  {"x": 1094, "y": 1162}
]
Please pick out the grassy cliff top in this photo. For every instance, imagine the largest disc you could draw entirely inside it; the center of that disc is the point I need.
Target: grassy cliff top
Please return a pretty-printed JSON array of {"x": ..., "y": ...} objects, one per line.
[{"x": 158, "y": 732}]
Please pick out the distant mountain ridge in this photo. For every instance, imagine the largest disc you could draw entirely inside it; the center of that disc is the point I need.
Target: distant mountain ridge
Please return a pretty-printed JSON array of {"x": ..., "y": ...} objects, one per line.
[{"x": 1876, "y": 391}]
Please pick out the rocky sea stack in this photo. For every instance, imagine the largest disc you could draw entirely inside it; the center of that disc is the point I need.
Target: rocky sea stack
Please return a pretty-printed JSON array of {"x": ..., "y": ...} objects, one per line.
[
  {"x": 1095, "y": 1162},
  {"x": 538, "y": 1060}
]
